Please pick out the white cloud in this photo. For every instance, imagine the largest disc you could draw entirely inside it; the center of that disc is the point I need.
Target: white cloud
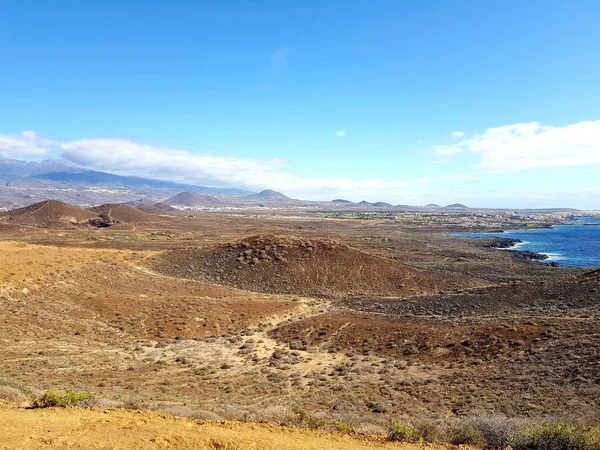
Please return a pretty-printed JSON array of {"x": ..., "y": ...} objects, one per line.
[
  {"x": 125, "y": 157},
  {"x": 501, "y": 149},
  {"x": 521, "y": 146},
  {"x": 340, "y": 133},
  {"x": 25, "y": 145},
  {"x": 457, "y": 134}
]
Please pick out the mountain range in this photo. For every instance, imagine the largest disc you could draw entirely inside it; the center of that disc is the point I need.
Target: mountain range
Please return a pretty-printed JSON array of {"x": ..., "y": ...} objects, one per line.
[
  {"x": 54, "y": 170},
  {"x": 24, "y": 182}
]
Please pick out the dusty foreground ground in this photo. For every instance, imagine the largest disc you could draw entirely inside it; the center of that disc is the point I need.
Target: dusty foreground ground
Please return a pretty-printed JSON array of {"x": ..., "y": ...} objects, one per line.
[
  {"x": 122, "y": 429},
  {"x": 314, "y": 320}
]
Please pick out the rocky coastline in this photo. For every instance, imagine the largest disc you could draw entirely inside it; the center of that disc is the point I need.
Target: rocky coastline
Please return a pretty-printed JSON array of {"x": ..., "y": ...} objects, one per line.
[
  {"x": 502, "y": 243},
  {"x": 509, "y": 243}
]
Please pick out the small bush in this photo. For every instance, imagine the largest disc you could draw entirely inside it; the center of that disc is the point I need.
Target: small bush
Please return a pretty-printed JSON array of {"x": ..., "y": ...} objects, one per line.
[
  {"x": 343, "y": 427},
  {"x": 429, "y": 431},
  {"x": 464, "y": 434},
  {"x": 497, "y": 429},
  {"x": 559, "y": 436},
  {"x": 403, "y": 433},
  {"x": 284, "y": 416},
  {"x": 302, "y": 419},
  {"x": 54, "y": 399}
]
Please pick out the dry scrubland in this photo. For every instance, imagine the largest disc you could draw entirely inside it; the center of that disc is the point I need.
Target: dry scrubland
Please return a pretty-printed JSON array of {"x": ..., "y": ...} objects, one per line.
[{"x": 320, "y": 323}]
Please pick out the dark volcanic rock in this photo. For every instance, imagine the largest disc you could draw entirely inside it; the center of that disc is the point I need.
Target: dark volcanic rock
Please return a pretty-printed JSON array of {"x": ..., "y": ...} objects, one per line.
[
  {"x": 528, "y": 254},
  {"x": 502, "y": 243}
]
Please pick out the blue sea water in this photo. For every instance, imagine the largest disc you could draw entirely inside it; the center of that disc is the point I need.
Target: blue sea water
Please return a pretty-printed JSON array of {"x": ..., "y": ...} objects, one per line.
[{"x": 569, "y": 245}]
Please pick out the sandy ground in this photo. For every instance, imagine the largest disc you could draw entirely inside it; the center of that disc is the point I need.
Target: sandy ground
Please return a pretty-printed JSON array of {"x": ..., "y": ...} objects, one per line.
[{"x": 124, "y": 429}]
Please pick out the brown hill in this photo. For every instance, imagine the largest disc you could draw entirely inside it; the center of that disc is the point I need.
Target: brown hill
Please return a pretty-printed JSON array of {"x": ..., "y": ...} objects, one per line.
[
  {"x": 157, "y": 208},
  {"x": 48, "y": 213},
  {"x": 190, "y": 199},
  {"x": 120, "y": 212},
  {"x": 140, "y": 202},
  {"x": 269, "y": 194},
  {"x": 151, "y": 207},
  {"x": 285, "y": 264}
]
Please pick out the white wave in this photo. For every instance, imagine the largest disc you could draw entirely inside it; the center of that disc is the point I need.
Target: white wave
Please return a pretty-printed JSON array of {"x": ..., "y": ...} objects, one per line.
[
  {"x": 552, "y": 256},
  {"x": 515, "y": 246},
  {"x": 520, "y": 244}
]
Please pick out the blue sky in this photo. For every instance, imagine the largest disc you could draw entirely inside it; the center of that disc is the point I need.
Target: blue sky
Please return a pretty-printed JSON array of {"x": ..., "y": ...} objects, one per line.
[{"x": 483, "y": 102}]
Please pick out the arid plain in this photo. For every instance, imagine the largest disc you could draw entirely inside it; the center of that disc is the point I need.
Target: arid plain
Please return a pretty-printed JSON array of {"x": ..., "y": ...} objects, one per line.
[{"x": 291, "y": 318}]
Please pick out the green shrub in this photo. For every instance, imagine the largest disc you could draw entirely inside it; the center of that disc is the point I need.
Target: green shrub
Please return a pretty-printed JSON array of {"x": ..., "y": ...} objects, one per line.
[
  {"x": 559, "y": 436},
  {"x": 54, "y": 399},
  {"x": 343, "y": 427},
  {"x": 403, "y": 433}
]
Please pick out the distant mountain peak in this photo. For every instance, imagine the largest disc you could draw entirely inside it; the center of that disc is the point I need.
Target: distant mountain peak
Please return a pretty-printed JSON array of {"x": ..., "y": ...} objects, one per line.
[
  {"x": 270, "y": 194},
  {"x": 191, "y": 199},
  {"x": 183, "y": 198}
]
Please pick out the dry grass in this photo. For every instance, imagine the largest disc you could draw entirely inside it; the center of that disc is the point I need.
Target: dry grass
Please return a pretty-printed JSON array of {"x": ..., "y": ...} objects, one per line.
[{"x": 12, "y": 395}]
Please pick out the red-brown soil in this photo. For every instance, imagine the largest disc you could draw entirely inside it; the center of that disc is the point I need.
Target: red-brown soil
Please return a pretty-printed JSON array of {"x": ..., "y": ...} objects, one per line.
[
  {"x": 47, "y": 213},
  {"x": 124, "y": 213},
  {"x": 315, "y": 267},
  {"x": 190, "y": 199},
  {"x": 515, "y": 366},
  {"x": 158, "y": 208}
]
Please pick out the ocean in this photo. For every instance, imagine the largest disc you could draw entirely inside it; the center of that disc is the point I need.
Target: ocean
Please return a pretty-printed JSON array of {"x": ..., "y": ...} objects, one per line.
[{"x": 568, "y": 245}]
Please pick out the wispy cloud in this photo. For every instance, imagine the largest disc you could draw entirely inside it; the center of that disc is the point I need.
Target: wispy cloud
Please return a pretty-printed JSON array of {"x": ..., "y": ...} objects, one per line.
[
  {"x": 340, "y": 133},
  {"x": 457, "y": 134},
  {"x": 521, "y": 146},
  {"x": 280, "y": 60}
]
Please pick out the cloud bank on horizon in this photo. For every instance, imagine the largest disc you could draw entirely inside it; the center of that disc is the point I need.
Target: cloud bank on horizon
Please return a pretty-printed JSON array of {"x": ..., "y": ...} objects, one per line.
[{"x": 504, "y": 149}]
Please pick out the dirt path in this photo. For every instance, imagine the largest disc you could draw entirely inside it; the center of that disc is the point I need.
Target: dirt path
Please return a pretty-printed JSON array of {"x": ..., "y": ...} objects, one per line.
[{"x": 125, "y": 429}]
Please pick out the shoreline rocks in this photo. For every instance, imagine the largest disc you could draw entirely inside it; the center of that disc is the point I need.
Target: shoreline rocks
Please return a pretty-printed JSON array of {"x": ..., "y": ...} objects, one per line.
[
  {"x": 502, "y": 243},
  {"x": 528, "y": 254},
  {"x": 508, "y": 244}
]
